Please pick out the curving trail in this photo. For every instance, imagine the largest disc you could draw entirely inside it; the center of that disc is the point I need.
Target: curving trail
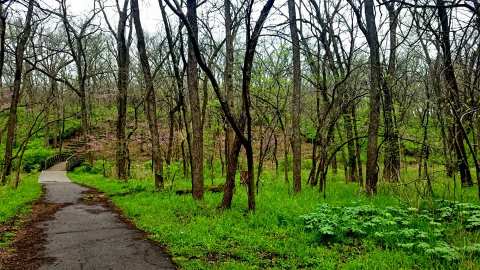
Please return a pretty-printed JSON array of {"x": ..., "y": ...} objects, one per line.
[{"x": 89, "y": 235}]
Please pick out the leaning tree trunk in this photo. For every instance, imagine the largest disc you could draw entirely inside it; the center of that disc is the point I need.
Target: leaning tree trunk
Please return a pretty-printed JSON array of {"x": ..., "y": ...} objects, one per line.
[
  {"x": 453, "y": 95},
  {"x": 179, "y": 88},
  {"x": 150, "y": 102},
  {"x": 12, "y": 116}
]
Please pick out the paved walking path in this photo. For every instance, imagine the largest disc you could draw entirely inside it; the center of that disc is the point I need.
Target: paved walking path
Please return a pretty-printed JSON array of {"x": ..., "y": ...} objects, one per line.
[{"x": 82, "y": 236}]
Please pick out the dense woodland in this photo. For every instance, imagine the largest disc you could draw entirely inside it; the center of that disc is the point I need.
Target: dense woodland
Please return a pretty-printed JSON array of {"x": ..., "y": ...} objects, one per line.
[{"x": 296, "y": 100}]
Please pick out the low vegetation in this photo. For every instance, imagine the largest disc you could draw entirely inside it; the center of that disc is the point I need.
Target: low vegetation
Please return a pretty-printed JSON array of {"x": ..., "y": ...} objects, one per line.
[
  {"x": 17, "y": 202},
  {"x": 256, "y": 134},
  {"x": 346, "y": 230}
]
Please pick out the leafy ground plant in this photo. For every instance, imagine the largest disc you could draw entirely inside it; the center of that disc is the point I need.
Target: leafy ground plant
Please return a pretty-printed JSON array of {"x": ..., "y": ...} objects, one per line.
[{"x": 424, "y": 231}]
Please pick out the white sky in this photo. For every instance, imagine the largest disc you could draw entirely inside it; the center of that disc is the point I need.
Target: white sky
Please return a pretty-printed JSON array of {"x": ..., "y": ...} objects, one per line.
[
  {"x": 149, "y": 11},
  {"x": 152, "y": 21}
]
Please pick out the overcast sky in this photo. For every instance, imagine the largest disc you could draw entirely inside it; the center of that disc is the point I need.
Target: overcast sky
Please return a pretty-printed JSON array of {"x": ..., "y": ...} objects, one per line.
[{"x": 149, "y": 11}]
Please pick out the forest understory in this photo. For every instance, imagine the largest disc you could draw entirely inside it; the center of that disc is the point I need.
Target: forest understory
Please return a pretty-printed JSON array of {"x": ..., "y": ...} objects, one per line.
[{"x": 260, "y": 134}]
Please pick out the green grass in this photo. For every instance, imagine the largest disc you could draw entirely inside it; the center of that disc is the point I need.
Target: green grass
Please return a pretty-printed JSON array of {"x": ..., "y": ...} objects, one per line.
[
  {"x": 16, "y": 202},
  {"x": 199, "y": 236}
]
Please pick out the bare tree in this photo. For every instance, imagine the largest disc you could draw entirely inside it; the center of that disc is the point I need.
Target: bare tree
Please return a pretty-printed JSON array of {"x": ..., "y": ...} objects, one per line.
[
  {"x": 3, "y": 29},
  {"x": 124, "y": 40},
  {"x": 245, "y": 121},
  {"x": 454, "y": 96},
  {"x": 78, "y": 41},
  {"x": 150, "y": 100},
  {"x": 20, "y": 49},
  {"x": 195, "y": 111},
  {"x": 296, "y": 99},
  {"x": 391, "y": 168},
  {"x": 369, "y": 29}
]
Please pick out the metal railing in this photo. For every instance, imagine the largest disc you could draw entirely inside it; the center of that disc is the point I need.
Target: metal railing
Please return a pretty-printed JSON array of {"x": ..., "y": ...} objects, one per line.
[
  {"x": 49, "y": 162},
  {"x": 73, "y": 160}
]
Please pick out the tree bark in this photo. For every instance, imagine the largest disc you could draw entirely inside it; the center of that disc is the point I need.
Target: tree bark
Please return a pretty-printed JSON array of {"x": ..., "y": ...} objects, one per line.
[
  {"x": 123, "y": 62},
  {"x": 231, "y": 142},
  {"x": 179, "y": 84},
  {"x": 245, "y": 118},
  {"x": 391, "y": 170},
  {"x": 358, "y": 149},
  {"x": 296, "y": 100},
  {"x": 374, "y": 93},
  {"x": 195, "y": 111},
  {"x": 351, "y": 161},
  {"x": 3, "y": 30},
  {"x": 453, "y": 96},
  {"x": 12, "y": 116},
  {"x": 150, "y": 99},
  {"x": 232, "y": 162}
]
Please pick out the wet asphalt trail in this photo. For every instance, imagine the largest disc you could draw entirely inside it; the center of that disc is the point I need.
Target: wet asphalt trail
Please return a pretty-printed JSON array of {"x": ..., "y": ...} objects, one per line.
[{"x": 82, "y": 236}]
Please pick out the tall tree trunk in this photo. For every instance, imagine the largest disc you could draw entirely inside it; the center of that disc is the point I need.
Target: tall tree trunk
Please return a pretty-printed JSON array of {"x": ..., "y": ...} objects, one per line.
[
  {"x": 231, "y": 141},
  {"x": 232, "y": 162},
  {"x": 334, "y": 163},
  {"x": 171, "y": 127},
  {"x": 351, "y": 161},
  {"x": 358, "y": 149},
  {"x": 296, "y": 100},
  {"x": 12, "y": 116},
  {"x": 274, "y": 153},
  {"x": 179, "y": 84},
  {"x": 320, "y": 176},
  {"x": 84, "y": 111},
  {"x": 311, "y": 176},
  {"x": 3, "y": 30},
  {"x": 374, "y": 92},
  {"x": 195, "y": 111},
  {"x": 123, "y": 62},
  {"x": 391, "y": 171},
  {"x": 252, "y": 41},
  {"x": 453, "y": 96},
  {"x": 285, "y": 157},
  {"x": 150, "y": 100}
]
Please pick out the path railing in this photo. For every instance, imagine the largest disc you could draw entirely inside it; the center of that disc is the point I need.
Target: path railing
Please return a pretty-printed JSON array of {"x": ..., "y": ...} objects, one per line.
[
  {"x": 74, "y": 161},
  {"x": 49, "y": 162}
]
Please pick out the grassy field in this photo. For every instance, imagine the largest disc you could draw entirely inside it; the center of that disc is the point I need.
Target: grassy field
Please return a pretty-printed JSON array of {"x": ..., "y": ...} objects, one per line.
[
  {"x": 15, "y": 202},
  {"x": 276, "y": 236}
]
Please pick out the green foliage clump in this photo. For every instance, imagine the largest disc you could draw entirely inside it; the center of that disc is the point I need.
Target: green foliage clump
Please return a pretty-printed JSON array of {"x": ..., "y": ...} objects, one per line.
[
  {"x": 468, "y": 214},
  {"x": 35, "y": 155},
  {"x": 410, "y": 229}
]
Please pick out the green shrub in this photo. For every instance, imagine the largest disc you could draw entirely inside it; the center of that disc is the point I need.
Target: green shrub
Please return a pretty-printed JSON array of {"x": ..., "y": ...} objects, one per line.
[
  {"x": 410, "y": 229},
  {"x": 35, "y": 155}
]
